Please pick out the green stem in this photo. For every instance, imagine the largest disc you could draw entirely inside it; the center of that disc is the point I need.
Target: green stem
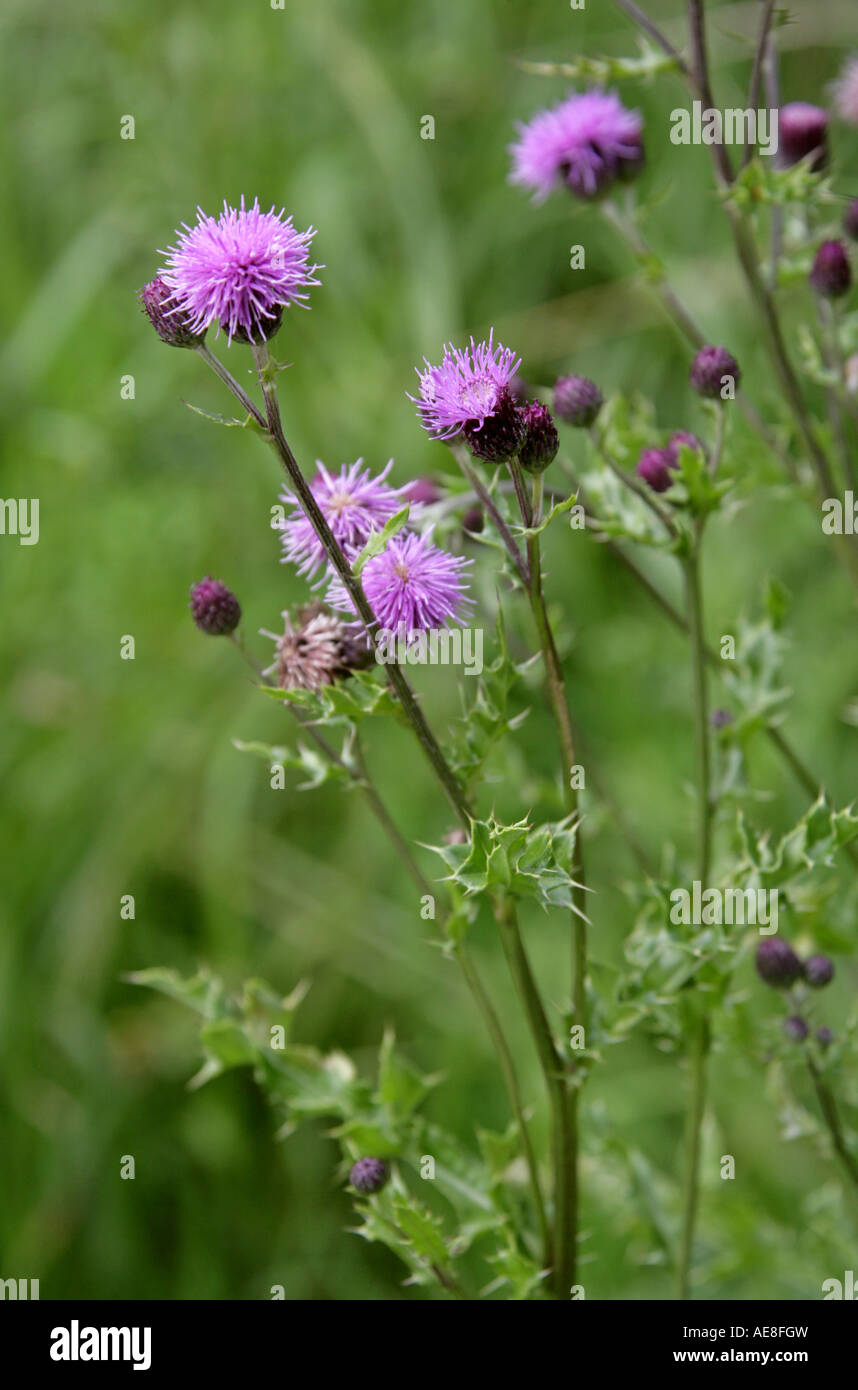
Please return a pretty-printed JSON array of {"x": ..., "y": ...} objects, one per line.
[
  {"x": 831, "y": 1116},
  {"x": 698, "y": 1051},
  {"x": 563, "y": 1103}
]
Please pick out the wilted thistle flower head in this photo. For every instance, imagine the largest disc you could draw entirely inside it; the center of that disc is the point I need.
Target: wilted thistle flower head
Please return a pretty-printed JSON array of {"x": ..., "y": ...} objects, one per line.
[
  {"x": 239, "y": 270},
  {"x": 655, "y": 467},
  {"x": 845, "y": 92},
  {"x": 312, "y": 651},
  {"x": 586, "y": 142},
  {"x": 818, "y": 971},
  {"x": 541, "y": 442},
  {"x": 710, "y": 368},
  {"x": 412, "y": 584},
  {"x": 214, "y": 607},
  {"x": 802, "y": 131},
  {"x": 831, "y": 273},
  {"x": 470, "y": 388},
  {"x": 777, "y": 963},
  {"x": 577, "y": 400},
  {"x": 353, "y": 503},
  {"x": 368, "y": 1175},
  {"x": 169, "y": 323}
]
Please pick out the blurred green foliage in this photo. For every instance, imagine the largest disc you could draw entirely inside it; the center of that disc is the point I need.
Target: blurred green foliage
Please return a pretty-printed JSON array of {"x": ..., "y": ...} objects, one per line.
[{"x": 121, "y": 777}]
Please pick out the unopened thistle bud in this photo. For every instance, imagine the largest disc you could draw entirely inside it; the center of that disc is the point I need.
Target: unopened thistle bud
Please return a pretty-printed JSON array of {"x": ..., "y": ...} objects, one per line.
[
  {"x": 777, "y": 963},
  {"x": 214, "y": 607},
  {"x": 500, "y": 435},
  {"x": 795, "y": 1028},
  {"x": 577, "y": 400},
  {"x": 850, "y": 220},
  {"x": 712, "y": 369},
  {"x": 818, "y": 971},
  {"x": 655, "y": 467},
  {"x": 684, "y": 438},
  {"x": 368, "y": 1175},
  {"x": 824, "y": 1036},
  {"x": 802, "y": 131},
  {"x": 831, "y": 273},
  {"x": 171, "y": 325},
  {"x": 473, "y": 521},
  {"x": 541, "y": 440}
]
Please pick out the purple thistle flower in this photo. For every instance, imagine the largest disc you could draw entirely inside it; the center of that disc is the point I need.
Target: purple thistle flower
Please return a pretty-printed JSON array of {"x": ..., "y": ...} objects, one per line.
[
  {"x": 240, "y": 270},
  {"x": 412, "y": 585},
  {"x": 541, "y": 441},
  {"x": 586, "y": 141},
  {"x": 468, "y": 388},
  {"x": 368, "y": 1175},
  {"x": 686, "y": 438},
  {"x": 655, "y": 466},
  {"x": 353, "y": 503},
  {"x": 170, "y": 325},
  {"x": 802, "y": 131},
  {"x": 710, "y": 367},
  {"x": 214, "y": 608},
  {"x": 421, "y": 492},
  {"x": 831, "y": 273},
  {"x": 577, "y": 400},
  {"x": 777, "y": 963},
  {"x": 818, "y": 971}
]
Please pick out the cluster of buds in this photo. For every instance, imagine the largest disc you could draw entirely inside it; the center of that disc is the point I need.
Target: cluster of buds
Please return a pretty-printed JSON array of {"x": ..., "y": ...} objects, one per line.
[
  {"x": 779, "y": 966},
  {"x": 514, "y": 430}
]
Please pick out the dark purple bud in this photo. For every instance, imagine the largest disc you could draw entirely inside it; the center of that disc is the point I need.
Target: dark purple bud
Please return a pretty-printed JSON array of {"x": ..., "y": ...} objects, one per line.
[
  {"x": 824, "y": 1036},
  {"x": 520, "y": 390},
  {"x": 473, "y": 521},
  {"x": 712, "y": 369},
  {"x": 686, "y": 438},
  {"x": 818, "y": 971},
  {"x": 422, "y": 492},
  {"x": 215, "y": 609},
  {"x": 850, "y": 220},
  {"x": 777, "y": 963},
  {"x": 171, "y": 326},
  {"x": 264, "y": 329},
  {"x": 541, "y": 440},
  {"x": 802, "y": 130},
  {"x": 368, "y": 1175},
  {"x": 655, "y": 467},
  {"x": 501, "y": 434},
  {"x": 577, "y": 400},
  {"x": 795, "y": 1028},
  {"x": 831, "y": 273},
  {"x": 720, "y": 718}
]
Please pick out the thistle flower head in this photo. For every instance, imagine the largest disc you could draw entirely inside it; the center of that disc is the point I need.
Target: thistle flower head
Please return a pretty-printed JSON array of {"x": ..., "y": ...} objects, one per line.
[
  {"x": 169, "y": 323},
  {"x": 411, "y": 584},
  {"x": 312, "y": 651},
  {"x": 850, "y": 220},
  {"x": 577, "y": 400},
  {"x": 831, "y": 273},
  {"x": 215, "y": 609},
  {"x": 655, "y": 467},
  {"x": 680, "y": 439},
  {"x": 818, "y": 971},
  {"x": 473, "y": 521},
  {"x": 586, "y": 142},
  {"x": 824, "y": 1036},
  {"x": 720, "y": 719},
  {"x": 710, "y": 368},
  {"x": 777, "y": 963},
  {"x": 368, "y": 1175},
  {"x": 802, "y": 131},
  {"x": 844, "y": 92},
  {"x": 541, "y": 442},
  {"x": 239, "y": 270},
  {"x": 470, "y": 386},
  {"x": 421, "y": 492},
  {"x": 353, "y": 503}
]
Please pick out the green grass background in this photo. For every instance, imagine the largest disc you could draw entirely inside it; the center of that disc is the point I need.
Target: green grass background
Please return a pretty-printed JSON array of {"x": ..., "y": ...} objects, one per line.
[{"x": 120, "y": 777}]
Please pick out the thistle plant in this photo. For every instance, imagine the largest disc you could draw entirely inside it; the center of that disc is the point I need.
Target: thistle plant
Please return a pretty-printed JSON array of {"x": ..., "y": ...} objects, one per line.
[{"x": 712, "y": 916}]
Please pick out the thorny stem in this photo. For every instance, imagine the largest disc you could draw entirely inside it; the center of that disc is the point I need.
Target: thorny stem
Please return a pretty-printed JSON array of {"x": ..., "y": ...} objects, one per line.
[
  {"x": 354, "y": 588},
  {"x": 482, "y": 492},
  {"x": 229, "y": 381},
  {"x": 757, "y": 70},
  {"x": 564, "y": 1166},
  {"x": 564, "y": 1131}
]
